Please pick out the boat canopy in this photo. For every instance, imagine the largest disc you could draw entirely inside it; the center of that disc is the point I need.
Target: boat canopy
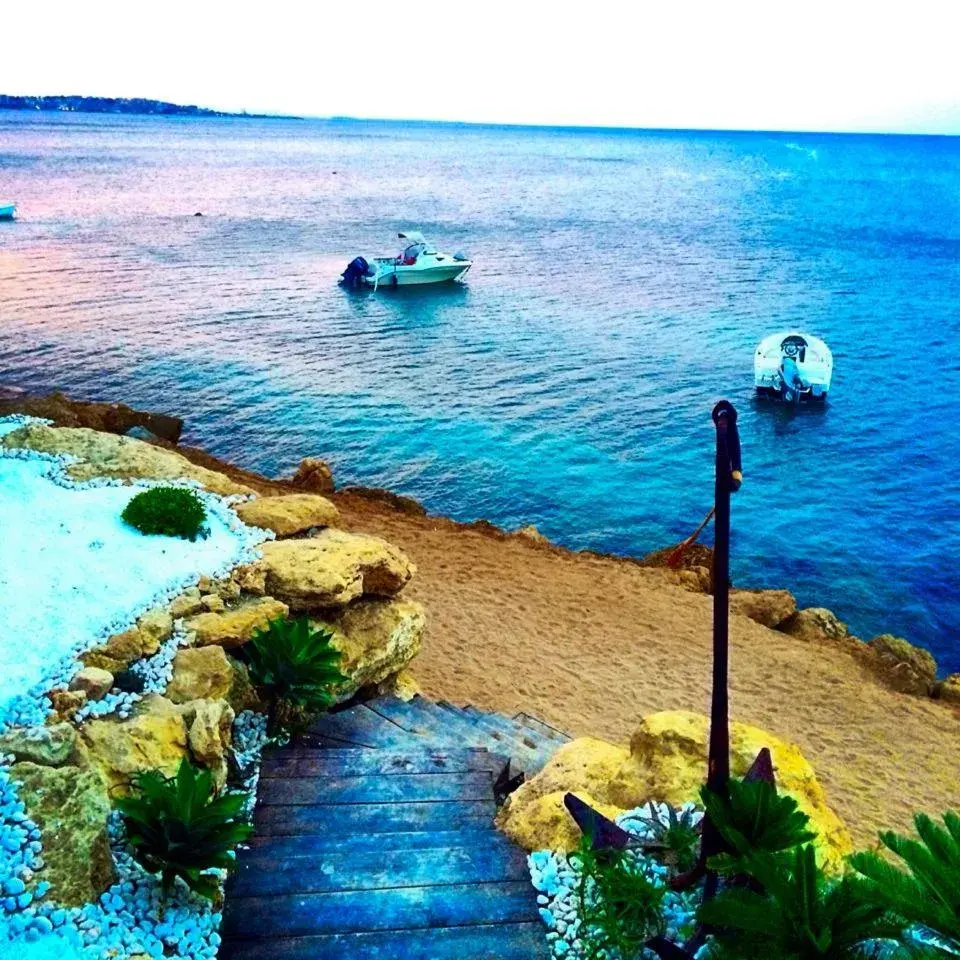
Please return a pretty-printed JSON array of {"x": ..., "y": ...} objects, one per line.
[{"x": 414, "y": 236}]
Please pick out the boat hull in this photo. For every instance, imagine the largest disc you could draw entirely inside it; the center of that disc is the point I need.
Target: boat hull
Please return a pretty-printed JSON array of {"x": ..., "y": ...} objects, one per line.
[
  {"x": 814, "y": 367},
  {"x": 399, "y": 276},
  {"x": 8, "y": 211}
]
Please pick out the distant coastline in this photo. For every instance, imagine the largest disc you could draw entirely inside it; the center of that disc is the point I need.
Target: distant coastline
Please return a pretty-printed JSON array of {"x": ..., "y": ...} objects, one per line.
[{"x": 136, "y": 105}]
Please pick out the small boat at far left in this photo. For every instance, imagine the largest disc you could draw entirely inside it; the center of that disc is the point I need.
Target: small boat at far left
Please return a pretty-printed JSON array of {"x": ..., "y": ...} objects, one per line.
[{"x": 8, "y": 211}]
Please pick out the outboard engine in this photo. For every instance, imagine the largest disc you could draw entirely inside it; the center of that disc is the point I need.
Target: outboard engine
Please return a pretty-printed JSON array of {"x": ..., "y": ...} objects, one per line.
[{"x": 356, "y": 270}]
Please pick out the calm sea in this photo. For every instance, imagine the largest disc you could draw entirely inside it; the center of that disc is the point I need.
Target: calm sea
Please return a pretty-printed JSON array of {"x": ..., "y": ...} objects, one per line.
[{"x": 622, "y": 280}]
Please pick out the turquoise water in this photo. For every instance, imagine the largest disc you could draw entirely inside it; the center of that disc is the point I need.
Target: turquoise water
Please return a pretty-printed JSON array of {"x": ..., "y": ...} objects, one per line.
[{"x": 622, "y": 280}]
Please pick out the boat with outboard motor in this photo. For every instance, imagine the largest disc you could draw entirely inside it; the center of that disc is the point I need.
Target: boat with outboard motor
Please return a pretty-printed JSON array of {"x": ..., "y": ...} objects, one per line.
[
  {"x": 419, "y": 263},
  {"x": 793, "y": 367},
  {"x": 8, "y": 211}
]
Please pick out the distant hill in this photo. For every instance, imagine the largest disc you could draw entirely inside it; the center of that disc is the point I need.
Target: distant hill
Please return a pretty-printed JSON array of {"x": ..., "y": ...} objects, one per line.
[{"x": 118, "y": 105}]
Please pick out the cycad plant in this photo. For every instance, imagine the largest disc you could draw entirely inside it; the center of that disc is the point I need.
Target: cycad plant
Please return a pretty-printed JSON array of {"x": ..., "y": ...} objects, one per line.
[
  {"x": 677, "y": 841},
  {"x": 927, "y": 894},
  {"x": 753, "y": 818},
  {"x": 799, "y": 915},
  {"x": 296, "y": 666},
  {"x": 179, "y": 827}
]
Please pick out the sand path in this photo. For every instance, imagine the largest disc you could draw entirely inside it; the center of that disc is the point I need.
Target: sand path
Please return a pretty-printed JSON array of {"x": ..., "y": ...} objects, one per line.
[{"x": 592, "y": 644}]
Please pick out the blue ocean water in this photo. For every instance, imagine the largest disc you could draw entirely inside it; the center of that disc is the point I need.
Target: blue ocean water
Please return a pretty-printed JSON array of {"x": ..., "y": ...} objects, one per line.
[{"x": 622, "y": 281}]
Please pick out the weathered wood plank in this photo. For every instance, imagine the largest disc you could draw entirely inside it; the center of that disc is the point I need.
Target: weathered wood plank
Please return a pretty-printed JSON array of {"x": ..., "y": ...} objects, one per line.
[
  {"x": 423, "y": 715},
  {"x": 368, "y": 762},
  {"x": 395, "y": 788},
  {"x": 265, "y": 876},
  {"x": 373, "y": 817},
  {"x": 311, "y": 846},
  {"x": 508, "y": 941},
  {"x": 360, "y": 725},
  {"x": 357, "y": 911}
]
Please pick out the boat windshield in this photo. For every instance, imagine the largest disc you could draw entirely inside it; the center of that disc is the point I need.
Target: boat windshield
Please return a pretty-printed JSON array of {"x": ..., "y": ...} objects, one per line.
[{"x": 409, "y": 256}]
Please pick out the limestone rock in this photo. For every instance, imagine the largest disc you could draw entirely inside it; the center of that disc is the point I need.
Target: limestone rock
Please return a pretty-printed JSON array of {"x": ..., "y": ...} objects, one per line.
[
  {"x": 108, "y": 455},
  {"x": 333, "y": 568},
  {"x": 187, "y": 604},
  {"x": 48, "y": 746},
  {"x": 376, "y": 639},
  {"x": 117, "y": 653},
  {"x": 242, "y": 695},
  {"x": 534, "y": 815},
  {"x": 667, "y": 761},
  {"x": 769, "y": 607},
  {"x": 949, "y": 690},
  {"x": 93, "y": 681},
  {"x": 154, "y": 738},
  {"x": 213, "y": 603},
  {"x": 669, "y": 753},
  {"x": 70, "y": 806},
  {"x": 251, "y": 578},
  {"x": 155, "y": 627},
  {"x": 200, "y": 673},
  {"x": 814, "y": 623},
  {"x": 67, "y": 702},
  {"x": 313, "y": 475},
  {"x": 235, "y": 626},
  {"x": 402, "y": 685},
  {"x": 210, "y": 726},
  {"x": 142, "y": 640},
  {"x": 288, "y": 514},
  {"x": 530, "y": 532},
  {"x": 903, "y": 666}
]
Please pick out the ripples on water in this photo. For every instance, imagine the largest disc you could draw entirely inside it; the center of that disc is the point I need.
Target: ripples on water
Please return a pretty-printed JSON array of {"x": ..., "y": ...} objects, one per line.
[{"x": 621, "y": 283}]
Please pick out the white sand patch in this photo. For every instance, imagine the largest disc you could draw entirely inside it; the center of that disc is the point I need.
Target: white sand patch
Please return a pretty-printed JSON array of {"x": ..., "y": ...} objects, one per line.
[{"x": 71, "y": 571}]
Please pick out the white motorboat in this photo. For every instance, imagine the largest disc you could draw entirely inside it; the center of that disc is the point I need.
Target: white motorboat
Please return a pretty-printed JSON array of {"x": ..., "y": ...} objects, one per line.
[
  {"x": 419, "y": 263},
  {"x": 8, "y": 211},
  {"x": 793, "y": 367}
]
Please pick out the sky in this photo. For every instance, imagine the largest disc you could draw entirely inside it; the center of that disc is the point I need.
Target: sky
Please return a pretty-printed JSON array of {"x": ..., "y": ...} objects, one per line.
[{"x": 844, "y": 65}]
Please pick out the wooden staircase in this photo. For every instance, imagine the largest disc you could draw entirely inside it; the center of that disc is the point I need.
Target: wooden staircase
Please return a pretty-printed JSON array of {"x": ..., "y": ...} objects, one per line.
[{"x": 375, "y": 841}]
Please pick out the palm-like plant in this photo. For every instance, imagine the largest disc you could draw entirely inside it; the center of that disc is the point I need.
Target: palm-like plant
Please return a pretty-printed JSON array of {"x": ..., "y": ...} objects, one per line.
[
  {"x": 929, "y": 894},
  {"x": 800, "y": 915},
  {"x": 295, "y": 664},
  {"x": 178, "y": 827},
  {"x": 753, "y": 819}
]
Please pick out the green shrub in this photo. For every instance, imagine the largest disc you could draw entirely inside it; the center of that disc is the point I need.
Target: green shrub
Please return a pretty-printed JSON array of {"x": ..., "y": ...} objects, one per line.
[
  {"x": 754, "y": 818},
  {"x": 929, "y": 894},
  {"x": 798, "y": 914},
  {"x": 619, "y": 907},
  {"x": 179, "y": 827},
  {"x": 169, "y": 511},
  {"x": 296, "y": 666}
]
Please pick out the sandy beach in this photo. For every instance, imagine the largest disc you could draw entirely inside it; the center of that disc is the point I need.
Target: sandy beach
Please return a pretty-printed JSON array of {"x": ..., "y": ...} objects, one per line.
[{"x": 592, "y": 643}]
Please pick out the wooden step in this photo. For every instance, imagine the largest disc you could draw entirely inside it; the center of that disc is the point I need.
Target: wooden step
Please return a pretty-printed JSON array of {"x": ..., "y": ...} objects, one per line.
[
  {"x": 390, "y": 788},
  {"x": 543, "y": 728},
  {"x": 352, "y": 818},
  {"x": 357, "y": 911},
  {"x": 360, "y": 725},
  {"x": 505, "y": 941},
  {"x": 422, "y": 715},
  {"x": 363, "y": 761},
  {"x": 265, "y": 876},
  {"x": 296, "y": 846}
]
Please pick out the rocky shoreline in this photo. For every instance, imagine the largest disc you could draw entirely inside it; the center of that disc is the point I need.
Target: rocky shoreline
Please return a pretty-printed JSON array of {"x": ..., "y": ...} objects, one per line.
[
  {"x": 172, "y": 684},
  {"x": 903, "y": 666}
]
